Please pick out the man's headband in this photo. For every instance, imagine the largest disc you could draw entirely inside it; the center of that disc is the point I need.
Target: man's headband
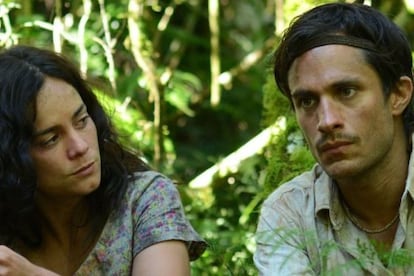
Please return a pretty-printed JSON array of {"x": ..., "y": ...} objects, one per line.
[{"x": 329, "y": 39}]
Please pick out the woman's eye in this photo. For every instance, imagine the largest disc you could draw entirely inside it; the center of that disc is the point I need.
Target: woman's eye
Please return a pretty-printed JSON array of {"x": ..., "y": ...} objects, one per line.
[
  {"x": 83, "y": 122},
  {"x": 49, "y": 142}
]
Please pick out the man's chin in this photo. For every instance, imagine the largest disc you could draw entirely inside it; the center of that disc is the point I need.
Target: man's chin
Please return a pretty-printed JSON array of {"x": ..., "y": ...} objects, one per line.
[{"x": 340, "y": 169}]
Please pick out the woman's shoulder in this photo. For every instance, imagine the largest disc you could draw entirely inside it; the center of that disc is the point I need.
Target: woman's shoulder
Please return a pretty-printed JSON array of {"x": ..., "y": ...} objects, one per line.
[
  {"x": 147, "y": 178},
  {"x": 147, "y": 183}
]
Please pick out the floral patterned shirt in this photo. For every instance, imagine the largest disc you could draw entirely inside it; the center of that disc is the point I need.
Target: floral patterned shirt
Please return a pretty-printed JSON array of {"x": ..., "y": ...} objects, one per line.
[{"x": 151, "y": 212}]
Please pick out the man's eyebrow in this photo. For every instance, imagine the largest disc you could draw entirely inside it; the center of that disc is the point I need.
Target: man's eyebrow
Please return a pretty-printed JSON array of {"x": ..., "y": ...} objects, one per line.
[
  {"x": 77, "y": 112},
  {"x": 346, "y": 82},
  {"x": 351, "y": 81},
  {"x": 301, "y": 93}
]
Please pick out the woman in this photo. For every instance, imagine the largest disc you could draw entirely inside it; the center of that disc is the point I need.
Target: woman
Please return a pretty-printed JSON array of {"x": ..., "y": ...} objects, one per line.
[{"x": 73, "y": 201}]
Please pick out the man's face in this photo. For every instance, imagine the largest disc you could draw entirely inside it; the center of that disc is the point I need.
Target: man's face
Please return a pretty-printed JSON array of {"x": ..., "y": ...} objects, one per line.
[{"x": 341, "y": 109}]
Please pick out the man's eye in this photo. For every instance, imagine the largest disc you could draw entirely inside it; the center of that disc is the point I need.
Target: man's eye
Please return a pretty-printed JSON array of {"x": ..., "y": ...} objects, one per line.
[
  {"x": 306, "y": 102},
  {"x": 348, "y": 92}
]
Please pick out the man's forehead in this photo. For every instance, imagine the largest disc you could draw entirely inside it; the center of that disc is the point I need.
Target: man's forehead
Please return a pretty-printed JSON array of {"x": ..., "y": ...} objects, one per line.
[{"x": 328, "y": 64}]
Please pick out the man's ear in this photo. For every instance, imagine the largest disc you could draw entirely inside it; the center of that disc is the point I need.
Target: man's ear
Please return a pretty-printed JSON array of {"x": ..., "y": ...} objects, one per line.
[{"x": 401, "y": 95}]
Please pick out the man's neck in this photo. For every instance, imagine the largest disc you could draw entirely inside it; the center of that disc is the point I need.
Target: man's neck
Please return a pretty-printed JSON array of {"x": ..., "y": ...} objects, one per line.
[{"x": 375, "y": 196}]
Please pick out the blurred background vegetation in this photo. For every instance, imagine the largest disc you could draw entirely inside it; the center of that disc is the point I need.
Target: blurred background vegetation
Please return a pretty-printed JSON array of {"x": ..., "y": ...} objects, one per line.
[{"x": 188, "y": 83}]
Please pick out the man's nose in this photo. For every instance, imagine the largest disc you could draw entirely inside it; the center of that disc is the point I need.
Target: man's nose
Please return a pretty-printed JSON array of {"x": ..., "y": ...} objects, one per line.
[{"x": 329, "y": 116}]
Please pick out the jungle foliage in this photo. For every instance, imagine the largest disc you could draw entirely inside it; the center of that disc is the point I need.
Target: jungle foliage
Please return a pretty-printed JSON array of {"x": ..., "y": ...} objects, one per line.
[{"x": 188, "y": 83}]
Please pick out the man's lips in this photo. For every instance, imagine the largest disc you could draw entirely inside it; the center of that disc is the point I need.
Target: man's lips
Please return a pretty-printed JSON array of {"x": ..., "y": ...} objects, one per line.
[{"x": 329, "y": 146}]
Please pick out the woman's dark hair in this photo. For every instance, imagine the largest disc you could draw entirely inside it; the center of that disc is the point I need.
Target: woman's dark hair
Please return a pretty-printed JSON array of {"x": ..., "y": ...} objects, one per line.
[
  {"x": 23, "y": 70},
  {"x": 389, "y": 52}
]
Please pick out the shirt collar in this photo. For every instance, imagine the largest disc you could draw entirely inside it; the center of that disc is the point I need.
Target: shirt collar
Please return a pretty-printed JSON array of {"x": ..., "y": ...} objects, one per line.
[
  {"x": 409, "y": 187},
  {"x": 327, "y": 201}
]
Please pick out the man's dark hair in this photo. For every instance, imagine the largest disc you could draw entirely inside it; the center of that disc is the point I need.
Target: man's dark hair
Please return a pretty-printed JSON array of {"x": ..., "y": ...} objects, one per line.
[{"x": 383, "y": 44}]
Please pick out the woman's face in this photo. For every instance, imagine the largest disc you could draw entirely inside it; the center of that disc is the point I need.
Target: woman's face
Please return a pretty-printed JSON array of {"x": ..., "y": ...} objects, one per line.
[{"x": 65, "y": 147}]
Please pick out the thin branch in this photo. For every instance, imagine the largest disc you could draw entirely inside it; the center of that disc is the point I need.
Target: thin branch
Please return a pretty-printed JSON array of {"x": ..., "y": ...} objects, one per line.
[
  {"x": 279, "y": 18},
  {"x": 163, "y": 23},
  {"x": 50, "y": 27},
  {"x": 177, "y": 48},
  {"x": 226, "y": 78},
  {"x": 215, "y": 89},
  {"x": 58, "y": 27},
  {"x": 87, "y": 8},
  {"x": 142, "y": 53},
  {"x": 109, "y": 45},
  {"x": 7, "y": 38}
]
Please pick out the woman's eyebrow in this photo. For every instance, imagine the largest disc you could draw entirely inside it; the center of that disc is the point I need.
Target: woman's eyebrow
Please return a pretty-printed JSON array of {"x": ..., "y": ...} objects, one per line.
[{"x": 78, "y": 111}]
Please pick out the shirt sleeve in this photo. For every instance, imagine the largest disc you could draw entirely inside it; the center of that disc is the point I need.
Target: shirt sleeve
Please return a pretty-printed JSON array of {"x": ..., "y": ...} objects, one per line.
[
  {"x": 159, "y": 216},
  {"x": 281, "y": 248}
]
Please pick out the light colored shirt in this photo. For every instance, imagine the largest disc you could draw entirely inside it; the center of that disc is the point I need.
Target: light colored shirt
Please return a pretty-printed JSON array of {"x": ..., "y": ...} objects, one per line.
[
  {"x": 151, "y": 212},
  {"x": 303, "y": 230}
]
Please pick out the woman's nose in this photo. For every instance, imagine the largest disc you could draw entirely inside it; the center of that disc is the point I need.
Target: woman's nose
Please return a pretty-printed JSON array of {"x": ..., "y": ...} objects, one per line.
[{"x": 77, "y": 145}]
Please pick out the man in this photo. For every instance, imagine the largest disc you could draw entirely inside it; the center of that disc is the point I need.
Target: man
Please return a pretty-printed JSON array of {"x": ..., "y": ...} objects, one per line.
[{"x": 346, "y": 69}]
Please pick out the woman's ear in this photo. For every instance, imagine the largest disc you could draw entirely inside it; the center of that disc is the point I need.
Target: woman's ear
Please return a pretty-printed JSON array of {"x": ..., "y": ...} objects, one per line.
[{"x": 401, "y": 95}]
